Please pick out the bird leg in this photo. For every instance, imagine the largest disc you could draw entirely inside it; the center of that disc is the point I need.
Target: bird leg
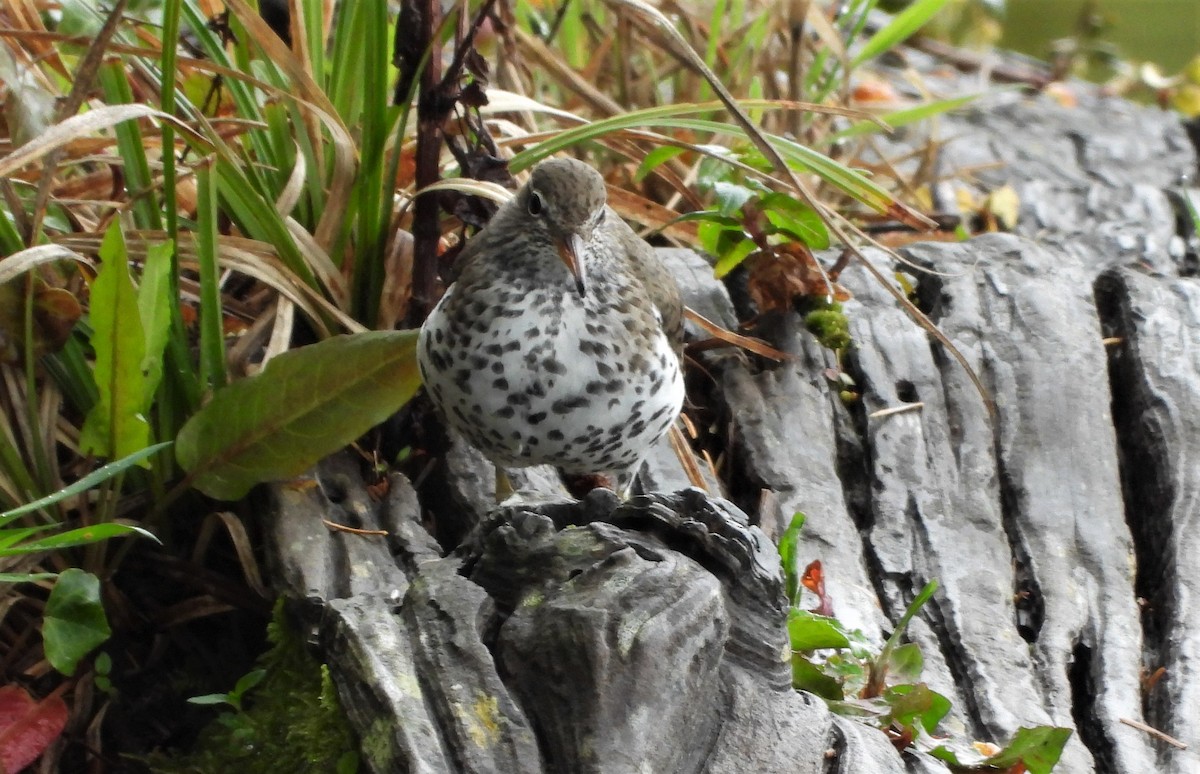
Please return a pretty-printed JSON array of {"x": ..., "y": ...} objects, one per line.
[{"x": 504, "y": 486}]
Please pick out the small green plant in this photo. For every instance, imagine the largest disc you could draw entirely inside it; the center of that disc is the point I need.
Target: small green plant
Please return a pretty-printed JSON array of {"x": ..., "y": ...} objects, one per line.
[
  {"x": 882, "y": 689},
  {"x": 283, "y": 715}
]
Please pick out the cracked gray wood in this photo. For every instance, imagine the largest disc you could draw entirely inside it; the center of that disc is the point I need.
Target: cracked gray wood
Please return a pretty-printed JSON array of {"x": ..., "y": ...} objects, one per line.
[{"x": 602, "y": 637}]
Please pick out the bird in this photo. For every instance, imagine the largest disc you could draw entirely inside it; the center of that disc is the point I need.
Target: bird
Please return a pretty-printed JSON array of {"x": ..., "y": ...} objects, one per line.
[{"x": 560, "y": 340}]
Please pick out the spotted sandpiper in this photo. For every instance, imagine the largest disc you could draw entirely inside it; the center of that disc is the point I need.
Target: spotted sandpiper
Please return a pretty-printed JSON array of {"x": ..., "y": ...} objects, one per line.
[{"x": 559, "y": 342}]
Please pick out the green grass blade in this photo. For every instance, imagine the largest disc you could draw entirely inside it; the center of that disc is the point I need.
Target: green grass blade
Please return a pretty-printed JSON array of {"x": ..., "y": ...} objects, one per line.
[
  {"x": 93, "y": 479},
  {"x": 901, "y": 27},
  {"x": 139, "y": 183},
  {"x": 212, "y": 333},
  {"x": 899, "y": 118}
]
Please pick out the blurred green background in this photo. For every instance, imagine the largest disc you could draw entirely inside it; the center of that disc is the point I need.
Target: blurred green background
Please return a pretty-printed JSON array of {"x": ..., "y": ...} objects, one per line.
[{"x": 1166, "y": 32}]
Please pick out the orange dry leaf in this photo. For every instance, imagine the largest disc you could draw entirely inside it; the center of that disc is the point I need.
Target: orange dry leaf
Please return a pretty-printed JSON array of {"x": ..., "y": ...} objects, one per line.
[{"x": 814, "y": 580}]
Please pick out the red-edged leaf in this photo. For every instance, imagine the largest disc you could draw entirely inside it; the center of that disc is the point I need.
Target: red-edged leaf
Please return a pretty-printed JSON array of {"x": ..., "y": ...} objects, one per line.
[{"x": 27, "y": 727}]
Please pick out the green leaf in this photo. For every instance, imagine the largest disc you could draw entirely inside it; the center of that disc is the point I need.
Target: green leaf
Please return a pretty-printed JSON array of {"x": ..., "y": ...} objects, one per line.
[
  {"x": 92, "y": 479},
  {"x": 25, "y": 577},
  {"x": 115, "y": 427},
  {"x": 879, "y": 666},
  {"x": 80, "y": 536},
  {"x": 910, "y": 704},
  {"x": 655, "y": 159},
  {"x": 809, "y": 631},
  {"x": 305, "y": 404},
  {"x": 1038, "y": 748},
  {"x": 154, "y": 308},
  {"x": 796, "y": 219},
  {"x": 788, "y": 542},
  {"x": 899, "y": 118},
  {"x": 730, "y": 258},
  {"x": 717, "y": 232},
  {"x": 730, "y": 196},
  {"x": 210, "y": 698},
  {"x": 807, "y": 676},
  {"x": 906, "y": 662},
  {"x": 247, "y": 682},
  {"x": 75, "y": 623}
]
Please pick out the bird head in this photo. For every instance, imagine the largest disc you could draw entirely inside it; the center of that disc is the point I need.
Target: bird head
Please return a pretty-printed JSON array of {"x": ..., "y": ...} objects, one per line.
[{"x": 566, "y": 198}]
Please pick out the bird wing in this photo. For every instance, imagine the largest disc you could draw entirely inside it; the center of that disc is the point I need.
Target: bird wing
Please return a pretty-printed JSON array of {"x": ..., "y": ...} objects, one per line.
[{"x": 659, "y": 284}]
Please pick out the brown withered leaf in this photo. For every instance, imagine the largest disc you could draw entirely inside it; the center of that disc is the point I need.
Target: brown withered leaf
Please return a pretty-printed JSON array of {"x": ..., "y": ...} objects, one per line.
[
  {"x": 55, "y": 311},
  {"x": 787, "y": 272}
]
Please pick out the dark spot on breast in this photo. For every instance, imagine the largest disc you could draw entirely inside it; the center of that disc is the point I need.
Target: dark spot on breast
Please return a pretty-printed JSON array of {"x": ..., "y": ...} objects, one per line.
[
  {"x": 535, "y": 419},
  {"x": 536, "y": 390},
  {"x": 500, "y": 384},
  {"x": 594, "y": 387},
  {"x": 555, "y": 435},
  {"x": 554, "y": 366},
  {"x": 567, "y": 405},
  {"x": 594, "y": 348},
  {"x": 507, "y": 412}
]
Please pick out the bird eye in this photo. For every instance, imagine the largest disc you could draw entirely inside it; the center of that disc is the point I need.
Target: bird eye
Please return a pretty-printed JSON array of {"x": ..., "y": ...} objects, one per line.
[{"x": 535, "y": 203}]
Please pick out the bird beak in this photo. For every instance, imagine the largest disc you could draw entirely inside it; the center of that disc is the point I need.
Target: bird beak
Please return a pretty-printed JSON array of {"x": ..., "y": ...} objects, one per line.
[{"x": 570, "y": 250}]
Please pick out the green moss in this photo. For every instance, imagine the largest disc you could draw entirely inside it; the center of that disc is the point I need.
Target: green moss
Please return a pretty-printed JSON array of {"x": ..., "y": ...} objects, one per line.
[
  {"x": 829, "y": 324},
  {"x": 291, "y": 720}
]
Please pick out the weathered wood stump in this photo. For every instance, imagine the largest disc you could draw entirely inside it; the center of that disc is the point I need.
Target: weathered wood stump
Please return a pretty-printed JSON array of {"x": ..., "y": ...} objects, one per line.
[{"x": 648, "y": 636}]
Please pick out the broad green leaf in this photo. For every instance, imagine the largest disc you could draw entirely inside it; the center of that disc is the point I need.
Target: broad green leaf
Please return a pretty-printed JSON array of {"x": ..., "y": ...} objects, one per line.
[
  {"x": 731, "y": 196},
  {"x": 154, "y": 306},
  {"x": 906, "y": 663},
  {"x": 731, "y": 258},
  {"x": 788, "y": 542},
  {"x": 116, "y": 427},
  {"x": 75, "y": 623},
  {"x": 92, "y": 479},
  {"x": 718, "y": 234},
  {"x": 807, "y": 676},
  {"x": 1038, "y": 748},
  {"x": 809, "y": 631},
  {"x": 910, "y": 704},
  {"x": 305, "y": 404},
  {"x": 796, "y": 219}
]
